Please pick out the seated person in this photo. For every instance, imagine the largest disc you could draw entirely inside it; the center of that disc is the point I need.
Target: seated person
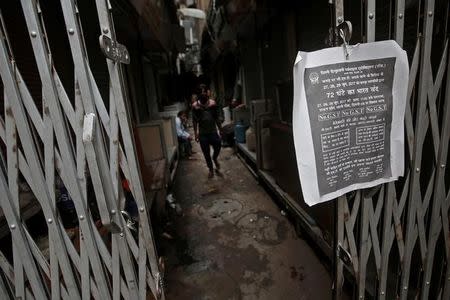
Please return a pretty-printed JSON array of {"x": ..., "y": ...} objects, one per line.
[{"x": 184, "y": 138}]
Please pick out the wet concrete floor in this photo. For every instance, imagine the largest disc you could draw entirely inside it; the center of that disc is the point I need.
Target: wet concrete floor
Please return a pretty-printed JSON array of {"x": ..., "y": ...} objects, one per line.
[{"x": 231, "y": 242}]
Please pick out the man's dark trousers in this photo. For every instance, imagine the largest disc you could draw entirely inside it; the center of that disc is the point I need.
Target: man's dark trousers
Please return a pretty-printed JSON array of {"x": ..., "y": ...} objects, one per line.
[{"x": 207, "y": 140}]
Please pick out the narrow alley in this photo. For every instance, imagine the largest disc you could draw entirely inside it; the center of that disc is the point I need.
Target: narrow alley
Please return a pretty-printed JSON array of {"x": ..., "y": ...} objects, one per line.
[{"x": 232, "y": 241}]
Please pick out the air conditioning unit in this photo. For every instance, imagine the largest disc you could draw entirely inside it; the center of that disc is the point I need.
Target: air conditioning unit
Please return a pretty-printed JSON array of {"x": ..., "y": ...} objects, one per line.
[{"x": 258, "y": 107}]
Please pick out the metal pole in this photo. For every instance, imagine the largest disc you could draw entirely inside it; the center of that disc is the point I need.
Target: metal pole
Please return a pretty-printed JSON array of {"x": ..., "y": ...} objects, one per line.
[
  {"x": 415, "y": 200},
  {"x": 338, "y": 228}
]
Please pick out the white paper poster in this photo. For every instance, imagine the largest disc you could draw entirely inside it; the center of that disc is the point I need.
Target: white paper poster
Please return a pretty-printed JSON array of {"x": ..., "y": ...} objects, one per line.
[{"x": 348, "y": 118}]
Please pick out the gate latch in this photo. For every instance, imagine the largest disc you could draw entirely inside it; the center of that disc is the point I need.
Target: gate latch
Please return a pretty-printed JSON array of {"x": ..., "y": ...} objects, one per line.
[
  {"x": 344, "y": 255},
  {"x": 113, "y": 50},
  {"x": 89, "y": 128}
]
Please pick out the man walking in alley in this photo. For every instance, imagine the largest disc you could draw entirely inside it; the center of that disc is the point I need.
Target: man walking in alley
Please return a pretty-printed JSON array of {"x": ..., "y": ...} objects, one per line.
[{"x": 207, "y": 124}]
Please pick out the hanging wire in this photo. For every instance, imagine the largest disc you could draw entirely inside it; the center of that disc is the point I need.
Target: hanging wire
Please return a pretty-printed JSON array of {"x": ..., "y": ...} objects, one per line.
[
  {"x": 332, "y": 41},
  {"x": 344, "y": 45}
]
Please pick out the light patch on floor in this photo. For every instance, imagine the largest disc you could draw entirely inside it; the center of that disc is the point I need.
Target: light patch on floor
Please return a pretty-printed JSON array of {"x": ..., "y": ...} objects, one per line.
[{"x": 232, "y": 242}]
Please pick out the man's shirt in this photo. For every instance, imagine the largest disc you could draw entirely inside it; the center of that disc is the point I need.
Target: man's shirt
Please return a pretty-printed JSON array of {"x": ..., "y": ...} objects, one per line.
[{"x": 206, "y": 117}]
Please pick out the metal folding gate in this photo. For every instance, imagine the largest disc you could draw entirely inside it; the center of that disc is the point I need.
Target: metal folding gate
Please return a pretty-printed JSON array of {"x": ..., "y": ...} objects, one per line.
[
  {"x": 76, "y": 143},
  {"x": 394, "y": 241}
]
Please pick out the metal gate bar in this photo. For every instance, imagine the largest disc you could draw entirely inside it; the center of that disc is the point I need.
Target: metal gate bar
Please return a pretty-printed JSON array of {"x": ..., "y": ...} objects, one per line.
[
  {"x": 107, "y": 28},
  {"x": 413, "y": 231},
  {"x": 50, "y": 94}
]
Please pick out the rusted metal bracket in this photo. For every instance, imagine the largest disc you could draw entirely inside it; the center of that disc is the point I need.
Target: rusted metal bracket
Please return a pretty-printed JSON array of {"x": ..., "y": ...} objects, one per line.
[{"x": 113, "y": 50}]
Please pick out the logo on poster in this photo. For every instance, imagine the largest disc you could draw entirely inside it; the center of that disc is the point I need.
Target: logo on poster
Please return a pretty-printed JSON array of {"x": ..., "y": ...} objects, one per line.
[{"x": 314, "y": 77}]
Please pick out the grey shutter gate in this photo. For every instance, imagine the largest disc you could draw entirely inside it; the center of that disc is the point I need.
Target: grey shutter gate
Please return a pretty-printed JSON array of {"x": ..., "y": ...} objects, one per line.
[
  {"x": 75, "y": 141},
  {"x": 396, "y": 236}
]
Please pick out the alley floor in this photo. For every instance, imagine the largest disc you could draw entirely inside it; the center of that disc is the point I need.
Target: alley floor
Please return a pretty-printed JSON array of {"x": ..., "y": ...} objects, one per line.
[{"x": 232, "y": 242}]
